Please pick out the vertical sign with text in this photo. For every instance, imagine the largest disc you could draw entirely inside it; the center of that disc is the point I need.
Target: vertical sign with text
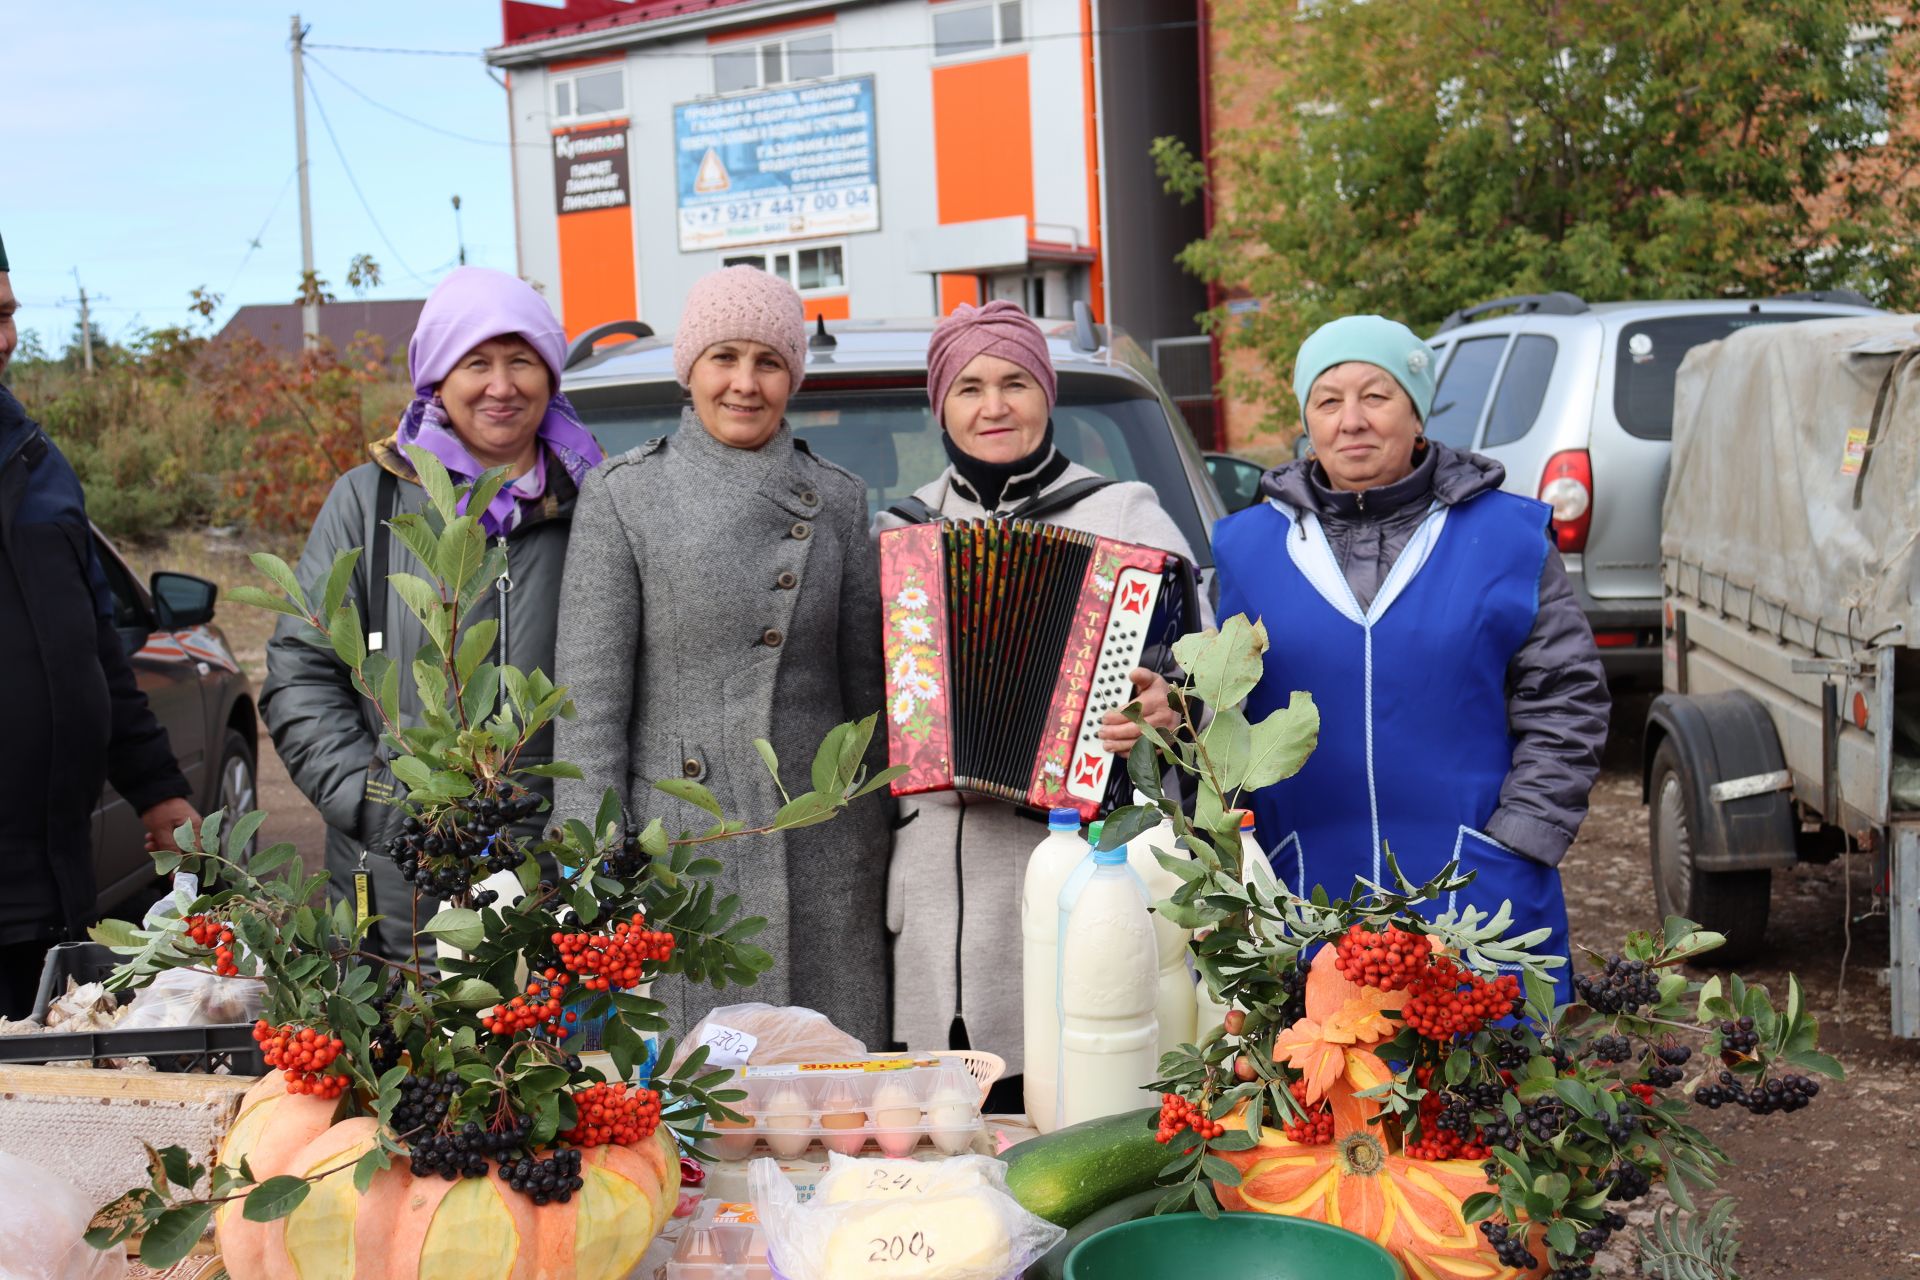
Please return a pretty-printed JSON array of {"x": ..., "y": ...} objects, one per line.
[{"x": 590, "y": 169}]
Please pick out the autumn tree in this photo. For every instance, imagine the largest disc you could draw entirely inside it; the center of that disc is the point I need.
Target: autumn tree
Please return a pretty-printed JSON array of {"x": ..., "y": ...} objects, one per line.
[{"x": 1415, "y": 157}]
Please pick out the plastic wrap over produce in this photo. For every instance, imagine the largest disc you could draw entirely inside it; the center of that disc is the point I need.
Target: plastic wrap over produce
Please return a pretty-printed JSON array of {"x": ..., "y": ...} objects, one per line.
[
  {"x": 1776, "y": 431},
  {"x": 43, "y": 1224},
  {"x": 943, "y": 1220}
]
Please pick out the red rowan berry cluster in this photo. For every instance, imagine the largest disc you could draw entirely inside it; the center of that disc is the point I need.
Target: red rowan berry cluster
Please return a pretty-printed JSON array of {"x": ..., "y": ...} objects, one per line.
[
  {"x": 1317, "y": 1129},
  {"x": 607, "y": 1113},
  {"x": 613, "y": 961},
  {"x": 303, "y": 1055},
  {"x": 1176, "y": 1114},
  {"x": 540, "y": 1005},
  {"x": 217, "y": 937},
  {"x": 1390, "y": 961},
  {"x": 1449, "y": 1001}
]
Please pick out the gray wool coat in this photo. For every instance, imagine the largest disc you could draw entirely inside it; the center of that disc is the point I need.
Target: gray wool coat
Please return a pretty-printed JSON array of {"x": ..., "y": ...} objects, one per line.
[
  {"x": 713, "y": 596},
  {"x": 328, "y": 736},
  {"x": 960, "y": 860}
]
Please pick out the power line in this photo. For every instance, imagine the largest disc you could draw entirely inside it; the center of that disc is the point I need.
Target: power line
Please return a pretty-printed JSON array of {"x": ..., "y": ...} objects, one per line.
[
  {"x": 355, "y": 184},
  {"x": 1104, "y": 33},
  {"x": 254, "y": 243},
  {"x": 401, "y": 115}
]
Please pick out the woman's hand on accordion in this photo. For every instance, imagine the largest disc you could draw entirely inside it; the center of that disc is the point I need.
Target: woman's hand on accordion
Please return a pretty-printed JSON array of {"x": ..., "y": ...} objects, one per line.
[{"x": 1119, "y": 733}]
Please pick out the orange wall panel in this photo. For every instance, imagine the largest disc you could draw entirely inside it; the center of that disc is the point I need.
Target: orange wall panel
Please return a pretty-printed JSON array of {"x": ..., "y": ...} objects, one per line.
[
  {"x": 983, "y": 140},
  {"x": 955, "y": 290},
  {"x": 833, "y": 307},
  {"x": 596, "y": 268}
]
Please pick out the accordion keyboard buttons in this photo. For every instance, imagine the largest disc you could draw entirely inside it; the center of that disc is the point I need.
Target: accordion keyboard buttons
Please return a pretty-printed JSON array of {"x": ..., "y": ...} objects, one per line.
[
  {"x": 786, "y": 582},
  {"x": 772, "y": 638},
  {"x": 802, "y": 530}
]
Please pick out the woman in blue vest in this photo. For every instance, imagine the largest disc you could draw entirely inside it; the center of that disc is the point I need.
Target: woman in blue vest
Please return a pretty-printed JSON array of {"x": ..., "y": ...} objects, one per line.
[{"x": 1462, "y": 704}]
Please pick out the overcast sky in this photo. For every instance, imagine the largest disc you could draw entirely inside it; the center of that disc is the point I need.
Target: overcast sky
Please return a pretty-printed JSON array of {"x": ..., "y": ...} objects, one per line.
[{"x": 148, "y": 145}]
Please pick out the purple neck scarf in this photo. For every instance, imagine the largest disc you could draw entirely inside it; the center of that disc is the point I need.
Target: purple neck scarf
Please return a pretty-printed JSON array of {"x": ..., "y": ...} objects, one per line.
[{"x": 467, "y": 308}]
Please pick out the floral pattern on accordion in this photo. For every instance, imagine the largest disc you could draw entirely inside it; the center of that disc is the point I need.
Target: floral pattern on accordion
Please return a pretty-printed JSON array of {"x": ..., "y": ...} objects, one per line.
[{"x": 913, "y": 595}]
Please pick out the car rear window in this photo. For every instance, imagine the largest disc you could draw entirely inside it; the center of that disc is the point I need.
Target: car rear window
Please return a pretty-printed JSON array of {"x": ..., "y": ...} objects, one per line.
[
  {"x": 1649, "y": 356},
  {"x": 1523, "y": 389},
  {"x": 888, "y": 437}
]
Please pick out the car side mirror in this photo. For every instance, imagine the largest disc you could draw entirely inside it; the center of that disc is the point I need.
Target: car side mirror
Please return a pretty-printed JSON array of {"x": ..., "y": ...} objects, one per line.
[
  {"x": 1236, "y": 479},
  {"x": 182, "y": 600}
]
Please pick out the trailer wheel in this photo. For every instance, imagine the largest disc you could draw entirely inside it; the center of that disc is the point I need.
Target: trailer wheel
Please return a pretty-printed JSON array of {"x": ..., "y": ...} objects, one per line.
[{"x": 1733, "y": 903}]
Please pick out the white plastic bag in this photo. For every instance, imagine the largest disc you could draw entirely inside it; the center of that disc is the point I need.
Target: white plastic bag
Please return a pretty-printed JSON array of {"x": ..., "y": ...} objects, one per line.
[
  {"x": 43, "y": 1225},
  {"x": 849, "y": 1178},
  {"x": 184, "y": 998},
  {"x": 952, "y": 1232},
  {"x": 781, "y": 1035}
]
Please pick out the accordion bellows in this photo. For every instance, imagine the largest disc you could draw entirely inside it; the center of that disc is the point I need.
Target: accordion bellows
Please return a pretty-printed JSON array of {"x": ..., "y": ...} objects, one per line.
[{"x": 1006, "y": 642}]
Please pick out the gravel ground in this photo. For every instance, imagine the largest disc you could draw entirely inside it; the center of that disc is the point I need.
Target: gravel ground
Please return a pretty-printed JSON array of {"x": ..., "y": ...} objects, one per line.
[{"x": 1824, "y": 1192}]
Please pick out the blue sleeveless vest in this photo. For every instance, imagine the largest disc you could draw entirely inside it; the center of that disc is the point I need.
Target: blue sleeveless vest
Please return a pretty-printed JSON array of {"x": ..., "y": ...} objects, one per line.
[{"x": 1414, "y": 744}]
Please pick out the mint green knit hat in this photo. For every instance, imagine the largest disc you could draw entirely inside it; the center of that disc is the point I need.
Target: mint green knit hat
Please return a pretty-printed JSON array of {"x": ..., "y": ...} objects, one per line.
[
  {"x": 1374, "y": 340},
  {"x": 3, "y": 255}
]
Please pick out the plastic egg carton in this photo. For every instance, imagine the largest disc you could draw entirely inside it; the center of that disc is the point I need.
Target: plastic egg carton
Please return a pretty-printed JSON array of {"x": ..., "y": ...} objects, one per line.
[
  {"x": 722, "y": 1242},
  {"x": 893, "y": 1103}
]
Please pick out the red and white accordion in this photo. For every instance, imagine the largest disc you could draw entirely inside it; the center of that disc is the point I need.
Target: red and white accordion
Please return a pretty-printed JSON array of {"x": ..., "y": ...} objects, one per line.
[{"x": 1007, "y": 641}]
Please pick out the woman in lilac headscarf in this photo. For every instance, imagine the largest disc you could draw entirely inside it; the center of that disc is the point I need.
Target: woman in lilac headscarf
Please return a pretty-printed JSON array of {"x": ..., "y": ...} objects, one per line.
[{"x": 485, "y": 363}]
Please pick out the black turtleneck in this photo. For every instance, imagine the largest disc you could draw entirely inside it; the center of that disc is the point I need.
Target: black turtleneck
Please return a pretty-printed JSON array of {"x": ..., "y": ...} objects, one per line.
[{"x": 991, "y": 483}]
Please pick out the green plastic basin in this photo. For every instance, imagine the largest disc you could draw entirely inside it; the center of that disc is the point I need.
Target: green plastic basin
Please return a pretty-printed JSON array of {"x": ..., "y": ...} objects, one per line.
[{"x": 1246, "y": 1246}]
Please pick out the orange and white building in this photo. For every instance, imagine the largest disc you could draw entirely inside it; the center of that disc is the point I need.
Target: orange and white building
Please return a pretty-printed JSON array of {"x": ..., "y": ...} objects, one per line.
[{"x": 888, "y": 157}]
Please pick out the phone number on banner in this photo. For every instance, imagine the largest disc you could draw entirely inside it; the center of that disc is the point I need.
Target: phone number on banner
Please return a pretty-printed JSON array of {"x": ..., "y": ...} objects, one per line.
[{"x": 757, "y": 219}]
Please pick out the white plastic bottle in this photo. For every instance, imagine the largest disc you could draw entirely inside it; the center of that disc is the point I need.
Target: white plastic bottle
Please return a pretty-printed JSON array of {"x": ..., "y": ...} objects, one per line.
[
  {"x": 1109, "y": 984},
  {"x": 1174, "y": 1008},
  {"x": 1210, "y": 1012},
  {"x": 1052, "y": 861}
]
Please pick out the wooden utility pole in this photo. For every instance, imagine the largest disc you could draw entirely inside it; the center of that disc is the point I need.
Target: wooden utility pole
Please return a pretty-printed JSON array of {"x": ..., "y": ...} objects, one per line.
[
  {"x": 309, "y": 309},
  {"x": 86, "y": 325}
]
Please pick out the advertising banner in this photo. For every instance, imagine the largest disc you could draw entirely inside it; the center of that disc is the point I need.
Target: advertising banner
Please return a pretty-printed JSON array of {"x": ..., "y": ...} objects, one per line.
[
  {"x": 590, "y": 169},
  {"x": 786, "y": 164}
]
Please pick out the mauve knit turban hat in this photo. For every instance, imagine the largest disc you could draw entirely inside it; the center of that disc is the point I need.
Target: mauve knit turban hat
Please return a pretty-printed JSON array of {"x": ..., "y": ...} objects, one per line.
[
  {"x": 742, "y": 304},
  {"x": 998, "y": 329}
]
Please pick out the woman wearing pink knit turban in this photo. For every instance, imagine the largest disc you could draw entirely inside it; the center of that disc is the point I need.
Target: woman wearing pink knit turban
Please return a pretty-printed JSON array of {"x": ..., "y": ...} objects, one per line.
[
  {"x": 720, "y": 588},
  {"x": 953, "y": 897}
]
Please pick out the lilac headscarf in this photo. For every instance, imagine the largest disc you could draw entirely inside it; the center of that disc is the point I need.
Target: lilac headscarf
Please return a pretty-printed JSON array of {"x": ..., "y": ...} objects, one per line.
[{"x": 470, "y": 306}]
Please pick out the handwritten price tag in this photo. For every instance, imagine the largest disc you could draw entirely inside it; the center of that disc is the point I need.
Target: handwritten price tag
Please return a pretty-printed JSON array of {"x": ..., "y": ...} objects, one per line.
[{"x": 727, "y": 1046}]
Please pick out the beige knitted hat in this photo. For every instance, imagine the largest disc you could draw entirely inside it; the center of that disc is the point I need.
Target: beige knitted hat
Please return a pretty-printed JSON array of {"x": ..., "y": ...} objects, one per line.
[{"x": 742, "y": 303}]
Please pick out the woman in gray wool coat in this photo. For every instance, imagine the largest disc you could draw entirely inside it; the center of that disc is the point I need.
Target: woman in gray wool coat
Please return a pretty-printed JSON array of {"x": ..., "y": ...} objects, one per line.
[
  {"x": 960, "y": 860},
  {"x": 720, "y": 587}
]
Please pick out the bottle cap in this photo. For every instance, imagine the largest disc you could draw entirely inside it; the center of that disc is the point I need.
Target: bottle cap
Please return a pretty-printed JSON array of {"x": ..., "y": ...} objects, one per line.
[
  {"x": 1094, "y": 829},
  {"x": 1063, "y": 820},
  {"x": 1246, "y": 819},
  {"x": 1110, "y": 857}
]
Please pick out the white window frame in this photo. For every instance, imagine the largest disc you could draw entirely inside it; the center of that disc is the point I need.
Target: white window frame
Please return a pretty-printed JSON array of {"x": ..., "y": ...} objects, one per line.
[
  {"x": 556, "y": 78},
  {"x": 793, "y": 251},
  {"x": 758, "y": 47},
  {"x": 1001, "y": 45}
]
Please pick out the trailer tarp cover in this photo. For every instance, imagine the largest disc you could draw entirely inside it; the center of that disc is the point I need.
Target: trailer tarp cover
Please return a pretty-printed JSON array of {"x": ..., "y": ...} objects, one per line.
[{"x": 1796, "y": 471}]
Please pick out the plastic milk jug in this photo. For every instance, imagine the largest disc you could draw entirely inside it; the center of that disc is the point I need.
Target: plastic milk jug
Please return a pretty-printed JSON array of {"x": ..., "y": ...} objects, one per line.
[
  {"x": 1052, "y": 861},
  {"x": 1174, "y": 1008},
  {"x": 1109, "y": 984},
  {"x": 1211, "y": 1013}
]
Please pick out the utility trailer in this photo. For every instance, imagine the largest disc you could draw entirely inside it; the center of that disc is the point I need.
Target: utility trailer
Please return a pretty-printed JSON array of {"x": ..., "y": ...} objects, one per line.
[{"x": 1788, "y": 728}]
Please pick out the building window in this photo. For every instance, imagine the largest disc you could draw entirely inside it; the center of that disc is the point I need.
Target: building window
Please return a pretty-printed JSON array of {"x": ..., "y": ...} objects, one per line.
[
  {"x": 821, "y": 269},
  {"x": 960, "y": 29},
  {"x": 761, "y": 63},
  {"x": 595, "y": 92}
]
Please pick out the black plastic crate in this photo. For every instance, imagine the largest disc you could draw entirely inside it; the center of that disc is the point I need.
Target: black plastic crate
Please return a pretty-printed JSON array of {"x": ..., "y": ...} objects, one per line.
[{"x": 204, "y": 1048}]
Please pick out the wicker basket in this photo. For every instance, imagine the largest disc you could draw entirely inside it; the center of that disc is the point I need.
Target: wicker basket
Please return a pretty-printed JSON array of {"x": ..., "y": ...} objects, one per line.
[{"x": 984, "y": 1067}]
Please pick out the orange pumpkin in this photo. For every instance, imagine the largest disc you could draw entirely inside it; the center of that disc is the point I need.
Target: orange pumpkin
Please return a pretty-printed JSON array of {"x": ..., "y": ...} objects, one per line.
[
  {"x": 403, "y": 1228},
  {"x": 1410, "y": 1207}
]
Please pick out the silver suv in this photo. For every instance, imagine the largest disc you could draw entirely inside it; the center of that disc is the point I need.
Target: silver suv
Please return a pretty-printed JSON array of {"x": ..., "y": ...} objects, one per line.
[
  {"x": 864, "y": 406},
  {"x": 1576, "y": 400}
]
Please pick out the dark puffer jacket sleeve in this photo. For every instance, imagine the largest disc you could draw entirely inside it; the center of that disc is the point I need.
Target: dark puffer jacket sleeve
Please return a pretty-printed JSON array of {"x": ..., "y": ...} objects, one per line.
[
  {"x": 1557, "y": 708},
  {"x": 311, "y": 708}
]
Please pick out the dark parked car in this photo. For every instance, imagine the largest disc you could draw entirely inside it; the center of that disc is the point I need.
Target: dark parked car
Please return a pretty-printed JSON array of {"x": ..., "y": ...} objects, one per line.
[{"x": 204, "y": 700}]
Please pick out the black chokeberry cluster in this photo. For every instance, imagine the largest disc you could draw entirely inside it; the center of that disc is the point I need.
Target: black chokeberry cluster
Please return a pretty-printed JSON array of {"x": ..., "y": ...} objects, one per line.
[
  {"x": 1621, "y": 1129},
  {"x": 553, "y": 1179},
  {"x": 1539, "y": 1121},
  {"x": 1570, "y": 1271},
  {"x": 1612, "y": 1048},
  {"x": 1293, "y": 1004},
  {"x": 1668, "y": 1069},
  {"x": 467, "y": 844},
  {"x": 627, "y": 863},
  {"x": 1624, "y": 986},
  {"x": 1783, "y": 1093},
  {"x": 423, "y": 1105},
  {"x": 1456, "y": 1113},
  {"x": 383, "y": 1048},
  {"x": 1511, "y": 1050},
  {"x": 1626, "y": 1181},
  {"x": 1511, "y": 1249},
  {"x": 1593, "y": 1239},
  {"x": 1739, "y": 1037}
]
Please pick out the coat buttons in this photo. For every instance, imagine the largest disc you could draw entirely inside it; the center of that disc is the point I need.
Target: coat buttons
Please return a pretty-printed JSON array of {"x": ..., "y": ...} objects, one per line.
[
  {"x": 786, "y": 582},
  {"x": 772, "y": 638},
  {"x": 802, "y": 530},
  {"x": 808, "y": 498},
  {"x": 690, "y": 767}
]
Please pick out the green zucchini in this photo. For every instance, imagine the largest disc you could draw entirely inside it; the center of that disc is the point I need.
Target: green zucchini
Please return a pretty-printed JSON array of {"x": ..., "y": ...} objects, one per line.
[
  {"x": 1052, "y": 1265},
  {"x": 1065, "y": 1175}
]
